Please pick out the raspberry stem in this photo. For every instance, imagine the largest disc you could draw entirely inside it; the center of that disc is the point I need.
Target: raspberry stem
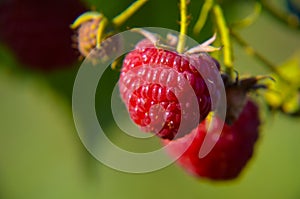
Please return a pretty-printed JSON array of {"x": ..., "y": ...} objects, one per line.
[
  {"x": 183, "y": 26},
  {"x": 85, "y": 17},
  {"x": 122, "y": 17},
  {"x": 225, "y": 40},
  {"x": 206, "y": 8},
  {"x": 102, "y": 25}
]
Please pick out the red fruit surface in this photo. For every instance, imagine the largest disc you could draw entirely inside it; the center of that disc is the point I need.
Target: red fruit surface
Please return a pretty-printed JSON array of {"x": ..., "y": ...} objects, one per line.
[
  {"x": 231, "y": 152},
  {"x": 38, "y": 32},
  {"x": 153, "y": 105}
]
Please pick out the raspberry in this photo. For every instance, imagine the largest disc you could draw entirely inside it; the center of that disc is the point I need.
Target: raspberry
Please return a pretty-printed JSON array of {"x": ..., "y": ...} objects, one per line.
[
  {"x": 154, "y": 105},
  {"x": 38, "y": 31},
  {"x": 231, "y": 152}
]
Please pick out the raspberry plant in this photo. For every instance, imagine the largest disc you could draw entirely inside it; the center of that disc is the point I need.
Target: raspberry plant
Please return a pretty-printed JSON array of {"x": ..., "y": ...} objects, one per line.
[{"x": 242, "y": 123}]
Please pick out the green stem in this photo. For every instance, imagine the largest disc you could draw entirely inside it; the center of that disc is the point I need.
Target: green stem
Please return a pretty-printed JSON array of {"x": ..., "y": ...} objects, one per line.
[
  {"x": 251, "y": 51},
  {"x": 100, "y": 31},
  {"x": 122, "y": 17},
  {"x": 207, "y": 6},
  {"x": 225, "y": 40},
  {"x": 288, "y": 19},
  {"x": 183, "y": 26}
]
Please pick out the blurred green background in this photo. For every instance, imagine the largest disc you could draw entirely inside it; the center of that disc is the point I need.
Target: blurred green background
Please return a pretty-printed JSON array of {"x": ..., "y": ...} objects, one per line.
[{"x": 41, "y": 155}]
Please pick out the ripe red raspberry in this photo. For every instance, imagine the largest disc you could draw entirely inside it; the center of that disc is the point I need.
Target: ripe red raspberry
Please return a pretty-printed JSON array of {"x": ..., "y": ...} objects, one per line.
[
  {"x": 38, "y": 31},
  {"x": 231, "y": 152},
  {"x": 153, "y": 105}
]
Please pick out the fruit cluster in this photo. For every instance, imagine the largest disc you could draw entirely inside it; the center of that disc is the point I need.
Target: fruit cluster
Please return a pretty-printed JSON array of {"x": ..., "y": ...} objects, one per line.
[
  {"x": 150, "y": 82},
  {"x": 170, "y": 93}
]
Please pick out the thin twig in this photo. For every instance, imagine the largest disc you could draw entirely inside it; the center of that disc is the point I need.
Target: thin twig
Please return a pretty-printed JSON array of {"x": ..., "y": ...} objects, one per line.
[
  {"x": 207, "y": 6},
  {"x": 251, "y": 51},
  {"x": 100, "y": 31},
  {"x": 122, "y": 17},
  {"x": 183, "y": 26},
  {"x": 225, "y": 40}
]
